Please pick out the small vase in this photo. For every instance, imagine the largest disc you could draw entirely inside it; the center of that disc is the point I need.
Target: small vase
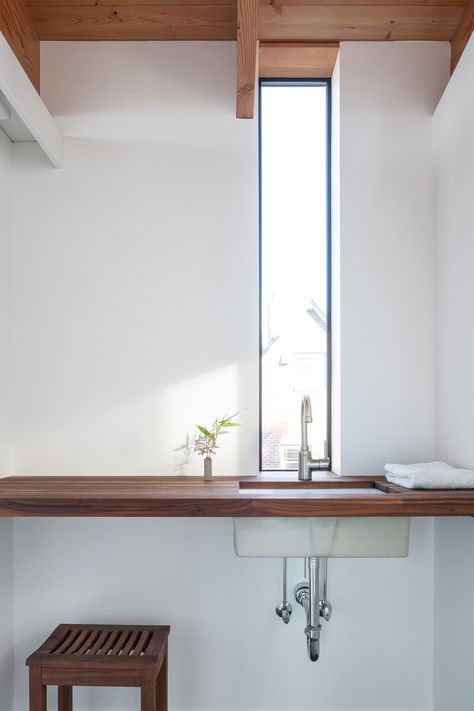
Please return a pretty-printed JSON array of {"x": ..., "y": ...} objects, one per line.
[{"x": 207, "y": 468}]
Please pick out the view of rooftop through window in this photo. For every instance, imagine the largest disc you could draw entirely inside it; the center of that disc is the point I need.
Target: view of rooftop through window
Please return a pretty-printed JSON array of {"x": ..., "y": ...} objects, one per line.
[{"x": 294, "y": 268}]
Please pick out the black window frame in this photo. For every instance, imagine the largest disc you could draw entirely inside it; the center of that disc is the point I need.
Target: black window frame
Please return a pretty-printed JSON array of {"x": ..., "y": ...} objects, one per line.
[{"x": 316, "y": 81}]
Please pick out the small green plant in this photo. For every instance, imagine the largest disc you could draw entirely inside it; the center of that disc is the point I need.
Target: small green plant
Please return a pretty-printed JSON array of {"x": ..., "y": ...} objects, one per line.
[{"x": 206, "y": 443}]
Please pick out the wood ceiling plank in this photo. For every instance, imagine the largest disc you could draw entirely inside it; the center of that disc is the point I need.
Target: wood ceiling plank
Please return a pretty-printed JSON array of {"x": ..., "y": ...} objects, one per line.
[
  {"x": 56, "y": 3},
  {"x": 275, "y": 3},
  {"x": 109, "y": 3},
  {"x": 337, "y": 23},
  {"x": 359, "y": 3},
  {"x": 295, "y": 21},
  {"x": 462, "y": 35},
  {"x": 247, "y": 57},
  {"x": 18, "y": 30},
  {"x": 296, "y": 60},
  {"x": 135, "y": 23}
]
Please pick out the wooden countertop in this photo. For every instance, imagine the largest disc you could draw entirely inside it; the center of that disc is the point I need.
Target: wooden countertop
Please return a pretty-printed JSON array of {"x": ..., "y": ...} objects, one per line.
[{"x": 224, "y": 496}]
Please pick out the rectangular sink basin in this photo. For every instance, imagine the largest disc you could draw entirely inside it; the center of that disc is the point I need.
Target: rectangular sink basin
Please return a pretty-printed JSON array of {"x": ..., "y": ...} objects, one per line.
[
  {"x": 319, "y": 536},
  {"x": 329, "y": 537},
  {"x": 310, "y": 493}
]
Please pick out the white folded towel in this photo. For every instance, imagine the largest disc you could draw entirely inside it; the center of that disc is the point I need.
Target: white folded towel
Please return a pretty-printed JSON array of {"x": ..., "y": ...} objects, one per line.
[{"x": 429, "y": 475}]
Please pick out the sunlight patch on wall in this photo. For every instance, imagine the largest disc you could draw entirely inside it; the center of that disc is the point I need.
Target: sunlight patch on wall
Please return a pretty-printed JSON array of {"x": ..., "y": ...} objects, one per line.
[{"x": 199, "y": 400}]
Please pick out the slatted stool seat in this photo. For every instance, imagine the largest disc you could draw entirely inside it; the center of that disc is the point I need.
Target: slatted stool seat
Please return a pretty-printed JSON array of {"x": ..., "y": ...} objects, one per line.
[{"x": 101, "y": 655}]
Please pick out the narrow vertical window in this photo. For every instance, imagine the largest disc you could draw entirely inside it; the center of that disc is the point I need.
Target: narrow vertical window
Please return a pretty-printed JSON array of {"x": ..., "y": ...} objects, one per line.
[{"x": 295, "y": 256}]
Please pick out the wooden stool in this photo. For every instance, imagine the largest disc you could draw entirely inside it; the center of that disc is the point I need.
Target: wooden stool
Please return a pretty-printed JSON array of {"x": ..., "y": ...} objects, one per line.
[{"x": 101, "y": 655}]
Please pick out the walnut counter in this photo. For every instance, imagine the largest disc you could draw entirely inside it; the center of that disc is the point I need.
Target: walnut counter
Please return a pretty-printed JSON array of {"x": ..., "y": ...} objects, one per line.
[{"x": 225, "y": 496}]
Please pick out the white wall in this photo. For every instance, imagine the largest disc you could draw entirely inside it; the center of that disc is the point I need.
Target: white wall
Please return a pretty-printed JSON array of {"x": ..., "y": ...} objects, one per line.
[
  {"x": 454, "y": 182},
  {"x": 336, "y": 342},
  {"x": 6, "y": 616},
  {"x": 155, "y": 214},
  {"x": 228, "y": 650},
  {"x": 6, "y": 570},
  {"x": 5, "y": 300},
  {"x": 454, "y": 615},
  {"x": 454, "y": 562},
  {"x": 135, "y": 269},
  {"x": 388, "y": 92}
]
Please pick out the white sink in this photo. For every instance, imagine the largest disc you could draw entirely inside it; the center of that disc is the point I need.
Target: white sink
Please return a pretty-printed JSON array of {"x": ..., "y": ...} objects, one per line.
[
  {"x": 330, "y": 537},
  {"x": 320, "y": 536},
  {"x": 309, "y": 493}
]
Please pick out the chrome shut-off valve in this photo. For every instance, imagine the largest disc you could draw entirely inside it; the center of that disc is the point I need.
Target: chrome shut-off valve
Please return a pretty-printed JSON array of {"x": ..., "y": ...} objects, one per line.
[{"x": 284, "y": 609}]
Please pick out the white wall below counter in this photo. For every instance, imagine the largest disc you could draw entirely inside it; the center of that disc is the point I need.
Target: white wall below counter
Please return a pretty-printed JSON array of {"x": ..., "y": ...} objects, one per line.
[
  {"x": 228, "y": 650},
  {"x": 7, "y": 676}
]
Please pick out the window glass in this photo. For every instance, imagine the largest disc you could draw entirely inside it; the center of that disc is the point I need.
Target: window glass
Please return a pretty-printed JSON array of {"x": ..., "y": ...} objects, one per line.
[{"x": 294, "y": 268}]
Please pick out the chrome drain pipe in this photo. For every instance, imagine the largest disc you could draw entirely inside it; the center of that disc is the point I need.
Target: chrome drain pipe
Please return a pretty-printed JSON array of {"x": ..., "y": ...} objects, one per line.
[
  {"x": 311, "y": 594},
  {"x": 307, "y": 595}
]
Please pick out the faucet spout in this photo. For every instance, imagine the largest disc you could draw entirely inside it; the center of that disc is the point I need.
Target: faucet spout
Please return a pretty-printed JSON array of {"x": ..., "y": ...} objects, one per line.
[
  {"x": 306, "y": 416},
  {"x": 306, "y": 463}
]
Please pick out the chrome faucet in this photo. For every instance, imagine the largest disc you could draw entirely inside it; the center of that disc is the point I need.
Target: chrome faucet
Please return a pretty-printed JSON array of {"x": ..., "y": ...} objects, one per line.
[{"x": 306, "y": 463}]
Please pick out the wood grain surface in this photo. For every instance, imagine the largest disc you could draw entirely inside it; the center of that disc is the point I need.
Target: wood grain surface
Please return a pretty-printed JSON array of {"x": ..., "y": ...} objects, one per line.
[
  {"x": 17, "y": 27},
  {"x": 286, "y": 60},
  {"x": 247, "y": 55},
  {"x": 191, "y": 496},
  {"x": 294, "y": 20},
  {"x": 462, "y": 34}
]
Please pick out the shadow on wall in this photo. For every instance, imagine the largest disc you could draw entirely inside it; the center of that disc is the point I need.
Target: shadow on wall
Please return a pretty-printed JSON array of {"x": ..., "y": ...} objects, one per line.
[{"x": 153, "y": 80}]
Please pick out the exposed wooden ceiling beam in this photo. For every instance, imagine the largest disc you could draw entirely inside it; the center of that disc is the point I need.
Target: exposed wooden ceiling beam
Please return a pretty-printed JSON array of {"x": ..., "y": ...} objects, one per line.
[
  {"x": 247, "y": 56},
  {"x": 296, "y": 60},
  {"x": 18, "y": 30},
  {"x": 462, "y": 35}
]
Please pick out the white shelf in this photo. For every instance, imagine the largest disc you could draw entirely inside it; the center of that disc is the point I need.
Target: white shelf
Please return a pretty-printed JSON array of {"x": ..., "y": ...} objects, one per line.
[{"x": 27, "y": 104}]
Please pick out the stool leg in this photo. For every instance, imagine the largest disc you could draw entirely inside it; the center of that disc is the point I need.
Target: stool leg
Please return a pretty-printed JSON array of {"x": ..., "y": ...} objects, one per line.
[
  {"x": 162, "y": 686},
  {"x": 64, "y": 698},
  {"x": 148, "y": 691},
  {"x": 37, "y": 690}
]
